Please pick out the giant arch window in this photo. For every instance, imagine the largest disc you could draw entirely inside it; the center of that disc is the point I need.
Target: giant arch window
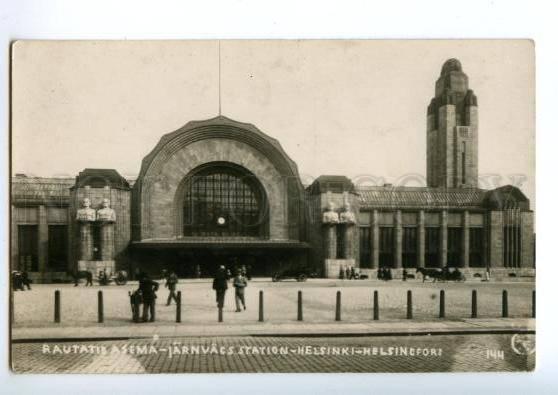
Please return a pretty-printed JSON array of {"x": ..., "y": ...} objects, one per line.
[{"x": 223, "y": 199}]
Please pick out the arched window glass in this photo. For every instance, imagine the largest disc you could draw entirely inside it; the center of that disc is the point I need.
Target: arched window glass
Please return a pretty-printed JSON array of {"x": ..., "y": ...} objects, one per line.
[{"x": 224, "y": 200}]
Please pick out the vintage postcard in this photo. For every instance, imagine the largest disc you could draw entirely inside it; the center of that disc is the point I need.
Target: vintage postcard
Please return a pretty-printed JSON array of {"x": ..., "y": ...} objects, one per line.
[{"x": 272, "y": 206}]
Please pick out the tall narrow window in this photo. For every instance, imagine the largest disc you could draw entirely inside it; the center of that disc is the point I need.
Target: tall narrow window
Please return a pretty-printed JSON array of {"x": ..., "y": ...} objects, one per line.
[
  {"x": 365, "y": 250},
  {"x": 476, "y": 246},
  {"x": 463, "y": 167},
  {"x": 409, "y": 246},
  {"x": 27, "y": 236},
  {"x": 341, "y": 241},
  {"x": 454, "y": 246},
  {"x": 432, "y": 246},
  {"x": 386, "y": 246}
]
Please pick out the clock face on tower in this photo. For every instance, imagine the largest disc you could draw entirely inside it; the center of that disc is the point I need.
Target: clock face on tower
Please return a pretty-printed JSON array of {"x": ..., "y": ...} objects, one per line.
[{"x": 221, "y": 221}]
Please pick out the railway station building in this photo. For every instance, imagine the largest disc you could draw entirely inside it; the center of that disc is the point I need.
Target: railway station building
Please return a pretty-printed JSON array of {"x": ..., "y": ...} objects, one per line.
[{"x": 221, "y": 192}]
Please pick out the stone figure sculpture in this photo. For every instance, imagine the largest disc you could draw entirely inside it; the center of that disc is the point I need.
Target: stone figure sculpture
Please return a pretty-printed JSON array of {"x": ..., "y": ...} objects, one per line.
[
  {"x": 347, "y": 216},
  {"x": 106, "y": 214},
  {"x": 330, "y": 215},
  {"x": 86, "y": 214}
]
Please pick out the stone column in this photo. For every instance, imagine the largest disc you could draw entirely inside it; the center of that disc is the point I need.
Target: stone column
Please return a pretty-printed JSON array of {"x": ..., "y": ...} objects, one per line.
[
  {"x": 398, "y": 259},
  {"x": 348, "y": 245},
  {"x": 330, "y": 231},
  {"x": 421, "y": 250},
  {"x": 106, "y": 241},
  {"x": 86, "y": 241},
  {"x": 496, "y": 239},
  {"x": 527, "y": 240},
  {"x": 465, "y": 241},
  {"x": 375, "y": 242},
  {"x": 443, "y": 238},
  {"x": 42, "y": 254}
]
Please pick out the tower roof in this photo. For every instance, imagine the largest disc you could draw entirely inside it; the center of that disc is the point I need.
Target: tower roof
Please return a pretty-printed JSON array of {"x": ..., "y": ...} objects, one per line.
[{"x": 451, "y": 65}]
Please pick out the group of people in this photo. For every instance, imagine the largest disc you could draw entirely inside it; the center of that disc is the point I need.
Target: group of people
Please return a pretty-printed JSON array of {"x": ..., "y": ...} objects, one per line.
[
  {"x": 146, "y": 294},
  {"x": 384, "y": 273},
  {"x": 348, "y": 273},
  {"x": 20, "y": 280},
  {"x": 220, "y": 285}
]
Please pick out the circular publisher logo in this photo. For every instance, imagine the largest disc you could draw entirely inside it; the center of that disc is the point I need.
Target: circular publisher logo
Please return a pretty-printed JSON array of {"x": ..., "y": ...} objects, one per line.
[{"x": 523, "y": 344}]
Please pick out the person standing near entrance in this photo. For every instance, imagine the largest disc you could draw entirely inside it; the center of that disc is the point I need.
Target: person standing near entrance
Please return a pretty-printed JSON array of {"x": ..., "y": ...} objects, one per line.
[
  {"x": 220, "y": 286},
  {"x": 239, "y": 284},
  {"x": 148, "y": 290},
  {"x": 171, "y": 282}
]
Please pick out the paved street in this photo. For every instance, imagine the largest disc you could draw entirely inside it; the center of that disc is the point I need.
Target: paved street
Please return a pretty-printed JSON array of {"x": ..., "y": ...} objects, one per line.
[
  {"x": 79, "y": 304},
  {"x": 445, "y": 353}
]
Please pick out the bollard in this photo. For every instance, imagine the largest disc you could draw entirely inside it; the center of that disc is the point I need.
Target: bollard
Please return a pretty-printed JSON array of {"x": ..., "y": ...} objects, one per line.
[
  {"x": 409, "y": 305},
  {"x": 299, "y": 313},
  {"x": 261, "y": 309},
  {"x": 474, "y": 304},
  {"x": 376, "y": 307},
  {"x": 442, "y": 303},
  {"x": 100, "y": 307},
  {"x": 179, "y": 306},
  {"x": 533, "y": 305},
  {"x": 338, "y": 306},
  {"x": 505, "y": 304},
  {"x": 220, "y": 319},
  {"x": 57, "y": 306}
]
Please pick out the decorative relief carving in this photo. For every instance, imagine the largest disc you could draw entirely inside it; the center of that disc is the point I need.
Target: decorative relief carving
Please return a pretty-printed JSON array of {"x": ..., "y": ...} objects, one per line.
[{"x": 330, "y": 215}]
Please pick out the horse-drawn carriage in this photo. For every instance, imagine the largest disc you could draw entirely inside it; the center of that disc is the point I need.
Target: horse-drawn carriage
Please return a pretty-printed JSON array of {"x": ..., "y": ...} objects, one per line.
[
  {"x": 441, "y": 274},
  {"x": 119, "y": 278}
]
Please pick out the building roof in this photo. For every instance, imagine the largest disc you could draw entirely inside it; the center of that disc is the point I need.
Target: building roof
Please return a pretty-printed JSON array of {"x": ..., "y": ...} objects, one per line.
[
  {"x": 41, "y": 190},
  {"x": 421, "y": 197}
]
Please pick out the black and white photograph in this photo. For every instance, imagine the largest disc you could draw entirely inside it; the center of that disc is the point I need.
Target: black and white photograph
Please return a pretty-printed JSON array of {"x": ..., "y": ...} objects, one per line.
[{"x": 272, "y": 206}]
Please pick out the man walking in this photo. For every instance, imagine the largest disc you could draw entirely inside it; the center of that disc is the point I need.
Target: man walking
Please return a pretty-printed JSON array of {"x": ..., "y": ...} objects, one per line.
[
  {"x": 220, "y": 286},
  {"x": 148, "y": 290},
  {"x": 239, "y": 284},
  {"x": 172, "y": 280}
]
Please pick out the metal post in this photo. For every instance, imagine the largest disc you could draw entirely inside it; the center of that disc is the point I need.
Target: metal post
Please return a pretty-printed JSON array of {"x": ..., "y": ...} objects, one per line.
[
  {"x": 409, "y": 305},
  {"x": 533, "y": 305},
  {"x": 474, "y": 304},
  {"x": 299, "y": 313},
  {"x": 261, "y": 312},
  {"x": 504, "y": 303},
  {"x": 338, "y": 306},
  {"x": 179, "y": 306},
  {"x": 57, "y": 306},
  {"x": 376, "y": 306},
  {"x": 442, "y": 303},
  {"x": 100, "y": 307}
]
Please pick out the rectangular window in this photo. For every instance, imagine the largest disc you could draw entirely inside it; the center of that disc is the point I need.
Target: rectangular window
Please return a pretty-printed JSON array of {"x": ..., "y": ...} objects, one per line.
[
  {"x": 386, "y": 246},
  {"x": 365, "y": 247},
  {"x": 57, "y": 248},
  {"x": 27, "y": 237},
  {"x": 409, "y": 247},
  {"x": 476, "y": 247},
  {"x": 454, "y": 246},
  {"x": 432, "y": 246}
]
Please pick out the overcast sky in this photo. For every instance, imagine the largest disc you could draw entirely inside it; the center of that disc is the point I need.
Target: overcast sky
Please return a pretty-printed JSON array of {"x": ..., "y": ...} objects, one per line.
[{"x": 337, "y": 107}]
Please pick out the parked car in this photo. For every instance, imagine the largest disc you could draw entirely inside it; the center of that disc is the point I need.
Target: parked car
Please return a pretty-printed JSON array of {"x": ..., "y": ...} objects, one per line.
[{"x": 296, "y": 273}]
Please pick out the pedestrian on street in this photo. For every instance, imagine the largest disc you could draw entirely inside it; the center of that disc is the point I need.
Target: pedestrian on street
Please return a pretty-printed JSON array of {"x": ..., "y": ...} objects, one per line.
[
  {"x": 89, "y": 277},
  {"x": 352, "y": 273},
  {"x": 348, "y": 273},
  {"x": 341, "y": 273},
  {"x": 239, "y": 284},
  {"x": 148, "y": 290},
  {"x": 171, "y": 282},
  {"x": 220, "y": 286},
  {"x": 25, "y": 281}
]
